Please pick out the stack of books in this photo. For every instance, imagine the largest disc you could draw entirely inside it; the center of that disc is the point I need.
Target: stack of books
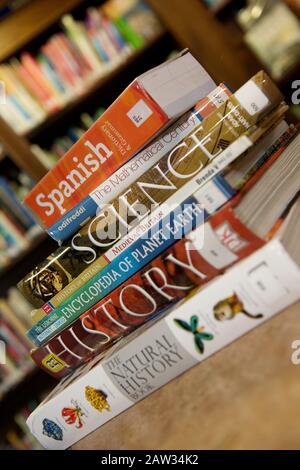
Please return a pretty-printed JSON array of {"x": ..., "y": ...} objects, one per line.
[
  {"x": 178, "y": 219},
  {"x": 81, "y": 53}
]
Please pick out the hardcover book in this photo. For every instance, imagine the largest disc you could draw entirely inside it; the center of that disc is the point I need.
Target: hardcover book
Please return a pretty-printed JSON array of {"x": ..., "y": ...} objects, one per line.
[
  {"x": 192, "y": 261},
  {"x": 141, "y": 250},
  {"x": 141, "y": 111},
  {"x": 245, "y": 297},
  {"x": 208, "y": 145},
  {"x": 70, "y": 260}
]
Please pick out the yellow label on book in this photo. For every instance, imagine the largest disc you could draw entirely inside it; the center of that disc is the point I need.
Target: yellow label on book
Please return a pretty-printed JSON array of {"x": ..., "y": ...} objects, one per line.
[{"x": 53, "y": 363}]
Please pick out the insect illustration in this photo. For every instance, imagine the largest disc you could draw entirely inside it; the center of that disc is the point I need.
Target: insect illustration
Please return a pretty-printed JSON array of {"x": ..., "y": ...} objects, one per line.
[
  {"x": 97, "y": 399},
  {"x": 73, "y": 415},
  {"x": 52, "y": 430},
  {"x": 199, "y": 334}
]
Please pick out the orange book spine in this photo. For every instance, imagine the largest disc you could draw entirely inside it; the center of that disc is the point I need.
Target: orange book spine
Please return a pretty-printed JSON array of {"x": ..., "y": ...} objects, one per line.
[
  {"x": 114, "y": 138},
  {"x": 37, "y": 76}
]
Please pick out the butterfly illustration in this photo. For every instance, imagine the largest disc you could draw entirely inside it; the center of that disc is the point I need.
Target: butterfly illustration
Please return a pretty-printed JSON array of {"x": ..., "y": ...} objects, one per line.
[
  {"x": 199, "y": 334},
  {"x": 73, "y": 415}
]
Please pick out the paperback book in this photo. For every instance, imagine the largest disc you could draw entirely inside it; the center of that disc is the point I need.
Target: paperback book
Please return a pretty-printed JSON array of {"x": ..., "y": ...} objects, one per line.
[{"x": 147, "y": 105}]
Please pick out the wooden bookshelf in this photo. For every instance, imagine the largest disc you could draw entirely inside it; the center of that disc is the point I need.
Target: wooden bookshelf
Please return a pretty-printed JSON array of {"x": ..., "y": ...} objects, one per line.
[
  {"x": 25, "y": 24},
  {"x": 96, "y": 86}
]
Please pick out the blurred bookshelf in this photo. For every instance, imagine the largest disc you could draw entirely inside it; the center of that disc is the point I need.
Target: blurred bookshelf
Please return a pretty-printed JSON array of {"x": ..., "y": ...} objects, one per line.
[{"x": 96, "y": 85}]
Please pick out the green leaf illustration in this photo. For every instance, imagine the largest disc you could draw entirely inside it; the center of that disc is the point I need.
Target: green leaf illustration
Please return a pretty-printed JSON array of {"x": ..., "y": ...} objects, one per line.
[
  {"x": 206, "y": 336},
  {"x": 199, "y": 344},
  {"x": 183, "y": 324},
  {"x": 194, "y": 323}
]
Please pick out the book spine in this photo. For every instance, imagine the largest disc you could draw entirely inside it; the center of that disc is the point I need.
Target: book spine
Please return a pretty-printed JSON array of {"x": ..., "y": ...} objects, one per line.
[
  {"x": 62, "y": 61},
  {"x": 191, "y": 262},
  {"x": 31, "y": 284},
  {"x": 182, "y": 164},
  {"x": 145, "y": 230},
  {"x": 77, "y": 34},
  {"x": 127, "y": 32},
  {"x": 20, "y": 95},
  {"x": 180, "y": 222},
  {"x": 33, "y": 68},
  {"x": 59, "y": 262},
  {"x": 136, "y": 167},
  {"x": 21, "y": 212},
  {"x": 11, "y": 77},
  {"x": 105, "y": 152},
  {"x": 51, "y": 75},
  {"x": 122, "y": 130},
  {"x": 50, "y": 52},
  {"x": 246, "y": 296}
]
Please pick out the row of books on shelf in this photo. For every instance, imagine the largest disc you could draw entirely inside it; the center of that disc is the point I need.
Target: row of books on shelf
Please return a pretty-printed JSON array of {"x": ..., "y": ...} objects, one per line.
[
  {"x": 82, "y": 52},
  {"x": 14, "y": 345},
  {"x": 183, "y": 189},
  {"x": 272, "y": 32},
  {"x": 18, "y": 229},
  {"x": 17, "y": 435},
  {"x": 49, "y": 156}
]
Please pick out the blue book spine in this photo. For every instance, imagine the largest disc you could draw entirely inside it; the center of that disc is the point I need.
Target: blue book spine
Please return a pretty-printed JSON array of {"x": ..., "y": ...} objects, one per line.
[
  {"x": 51, "y": 74},
  {"x": 220, "y": 182},
  {"x": 71, "y": 222},
  {"x": 25, "y": 214},
  {"x": 100, "y": 51},
  {"x": 158, "y": 239},
  {"x": 19, "y": 108}
]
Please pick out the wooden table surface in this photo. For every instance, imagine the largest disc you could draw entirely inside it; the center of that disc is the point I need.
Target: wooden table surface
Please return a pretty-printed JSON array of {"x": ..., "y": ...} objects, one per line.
[{"x": 247, "y": 396}]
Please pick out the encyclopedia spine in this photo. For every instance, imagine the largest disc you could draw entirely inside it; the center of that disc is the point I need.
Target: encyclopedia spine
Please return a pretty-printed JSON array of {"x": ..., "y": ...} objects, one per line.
[
  {"x": 79, "y": 253},
  {"x": 196, "y": 160}
]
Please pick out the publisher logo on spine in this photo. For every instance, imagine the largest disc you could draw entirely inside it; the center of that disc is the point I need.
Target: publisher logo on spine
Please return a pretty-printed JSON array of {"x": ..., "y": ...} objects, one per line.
[
  {"x": 139, "y": 113},
  {"x": 2, "y": 352}
]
